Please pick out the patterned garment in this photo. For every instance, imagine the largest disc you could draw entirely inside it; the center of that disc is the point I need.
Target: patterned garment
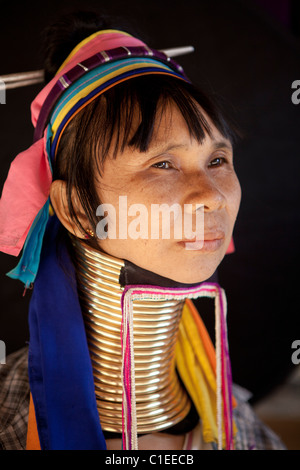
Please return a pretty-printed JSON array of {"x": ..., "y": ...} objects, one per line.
[
  {"x": 14, "y": 401},
  {"x": 14, "y": 404}
]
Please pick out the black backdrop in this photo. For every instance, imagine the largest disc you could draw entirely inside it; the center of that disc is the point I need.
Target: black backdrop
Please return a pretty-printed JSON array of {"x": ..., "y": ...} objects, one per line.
[{"x": 248, "y": 58}]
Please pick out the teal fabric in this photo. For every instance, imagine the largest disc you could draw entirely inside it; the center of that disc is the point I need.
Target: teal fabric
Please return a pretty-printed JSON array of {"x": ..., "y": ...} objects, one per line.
[
  {"x": 27, "y": 268},
  {"x": 28, "y": 265}
]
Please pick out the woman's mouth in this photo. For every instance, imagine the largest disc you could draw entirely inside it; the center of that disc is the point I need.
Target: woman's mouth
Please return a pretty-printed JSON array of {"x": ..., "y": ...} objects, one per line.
[{"x": 211, "y": 242}]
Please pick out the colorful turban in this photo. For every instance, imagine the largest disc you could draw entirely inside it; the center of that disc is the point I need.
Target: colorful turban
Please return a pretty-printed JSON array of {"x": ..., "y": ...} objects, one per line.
[{"x": 98, "y": 63}]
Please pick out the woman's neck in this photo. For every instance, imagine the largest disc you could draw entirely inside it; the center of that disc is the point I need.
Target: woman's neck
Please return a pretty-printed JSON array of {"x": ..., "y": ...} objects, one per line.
[{"x": 161, "y": 401}]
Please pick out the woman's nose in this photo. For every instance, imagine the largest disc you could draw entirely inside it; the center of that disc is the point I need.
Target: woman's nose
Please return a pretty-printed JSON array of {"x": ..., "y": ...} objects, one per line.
[{"x": 201, "y": 189}]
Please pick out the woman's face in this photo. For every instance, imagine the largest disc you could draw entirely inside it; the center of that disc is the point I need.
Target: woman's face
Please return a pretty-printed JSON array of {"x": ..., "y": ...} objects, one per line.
[{"x": 176, "y": 169}]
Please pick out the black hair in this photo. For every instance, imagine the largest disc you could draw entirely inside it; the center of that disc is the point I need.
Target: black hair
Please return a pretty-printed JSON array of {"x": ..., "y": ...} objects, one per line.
[
  {"x": 111, "y": 115},
  {"x": 60, "y": 37}
]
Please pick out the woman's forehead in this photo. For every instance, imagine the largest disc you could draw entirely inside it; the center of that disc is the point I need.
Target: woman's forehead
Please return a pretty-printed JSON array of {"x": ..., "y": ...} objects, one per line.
[
  {"x": 171, "y": 131},
  {"x": 174, "y": 142},
  {"x": 161, "y": 126}
]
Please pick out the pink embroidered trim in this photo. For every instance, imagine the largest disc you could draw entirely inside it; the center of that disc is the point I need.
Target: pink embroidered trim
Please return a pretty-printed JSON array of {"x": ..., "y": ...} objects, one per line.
[{"x": 224, "y": 384}]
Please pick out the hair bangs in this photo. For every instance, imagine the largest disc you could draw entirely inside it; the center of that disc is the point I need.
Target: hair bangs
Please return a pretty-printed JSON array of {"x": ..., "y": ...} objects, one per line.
[
  {"x": 133, "y": 108},
  {"x": 126, "y": 115}
]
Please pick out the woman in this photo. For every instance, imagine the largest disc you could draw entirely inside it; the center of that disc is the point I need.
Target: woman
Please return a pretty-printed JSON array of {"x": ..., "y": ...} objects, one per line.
[{"x": 118, "y": 358}]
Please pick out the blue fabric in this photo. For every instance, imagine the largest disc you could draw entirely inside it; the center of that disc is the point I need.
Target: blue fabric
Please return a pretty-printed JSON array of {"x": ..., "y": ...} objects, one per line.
[
  {"x": 100, "y": 72},
  {"x": 103, "y": 87},
  {"x": 60, "y": 369},
  {"x": 28, "y": 265}
]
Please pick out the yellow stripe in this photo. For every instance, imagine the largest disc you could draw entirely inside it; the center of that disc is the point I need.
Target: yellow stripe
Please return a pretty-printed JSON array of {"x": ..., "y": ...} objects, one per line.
[
  {"x": 85, "y": 91},
  {"x": 197, "y": 374},
  {"x": 197, "y": 344},
  {"x": 85, "y": 41},
  {"x": 163, "y": 72},
  {"x": 195, "y": 380}
]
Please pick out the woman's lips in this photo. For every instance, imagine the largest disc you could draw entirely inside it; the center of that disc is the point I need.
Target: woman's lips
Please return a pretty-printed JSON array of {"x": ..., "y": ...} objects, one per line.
[{"x": 212, "y": 242}]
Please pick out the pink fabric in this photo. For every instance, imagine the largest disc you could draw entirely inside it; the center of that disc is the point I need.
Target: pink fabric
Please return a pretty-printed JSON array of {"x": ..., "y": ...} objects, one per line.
[
  {"x": 27, "y": 187},
  {"x": 28, "y": 183},
  {"x": 99, "y": 43},
  {"x": 231, "y": 248},
  {"x": 24, "y": 193}
]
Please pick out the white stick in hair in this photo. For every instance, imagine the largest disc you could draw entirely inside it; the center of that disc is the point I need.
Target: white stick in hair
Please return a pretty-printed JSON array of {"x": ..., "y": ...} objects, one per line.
[{"x": 17, "y": 80}]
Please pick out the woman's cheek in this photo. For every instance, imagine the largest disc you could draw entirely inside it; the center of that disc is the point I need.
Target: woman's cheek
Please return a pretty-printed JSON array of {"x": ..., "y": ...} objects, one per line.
[
  {"x": 232, "y": 190},
  {"x": 236, "y": 195}
]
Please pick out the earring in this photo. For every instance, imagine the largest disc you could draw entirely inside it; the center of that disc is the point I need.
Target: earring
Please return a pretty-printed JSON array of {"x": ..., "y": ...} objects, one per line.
[{"x": 89, "y": 233}]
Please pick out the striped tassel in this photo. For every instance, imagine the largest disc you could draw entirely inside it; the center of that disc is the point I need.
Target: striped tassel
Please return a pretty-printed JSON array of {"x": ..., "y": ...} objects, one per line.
[
  {"x": 129, "y": 421},
  {"x": 223, "y": 368},
  {"x": 224, "y": 378}
]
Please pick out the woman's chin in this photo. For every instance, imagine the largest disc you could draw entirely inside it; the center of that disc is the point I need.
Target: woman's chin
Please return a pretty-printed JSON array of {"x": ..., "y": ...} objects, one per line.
[
  {"x": 184, "y": 276},
  {"x": 192, "y": 279}
]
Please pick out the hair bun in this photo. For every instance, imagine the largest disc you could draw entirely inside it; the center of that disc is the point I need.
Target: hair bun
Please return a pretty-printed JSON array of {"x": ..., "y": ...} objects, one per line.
[{"x": 61, "y": 37}]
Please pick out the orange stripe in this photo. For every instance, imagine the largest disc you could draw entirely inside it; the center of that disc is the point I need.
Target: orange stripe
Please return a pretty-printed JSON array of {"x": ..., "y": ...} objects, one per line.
[
  {"x": 33, "y": 441},
  {"x": 103, "y": 91},
  {"x": 207, "y": 343}
]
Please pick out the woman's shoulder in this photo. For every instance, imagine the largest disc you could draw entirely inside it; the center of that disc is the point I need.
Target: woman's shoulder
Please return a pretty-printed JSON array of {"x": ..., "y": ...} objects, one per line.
[
  {"x": 252, "y": 433},
  {"x": 14, "y": 401},
  {"x": 14, "y": 405}
]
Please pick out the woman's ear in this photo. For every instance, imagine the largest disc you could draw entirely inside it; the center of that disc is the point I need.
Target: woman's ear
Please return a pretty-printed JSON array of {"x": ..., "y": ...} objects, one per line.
[{"x": 59, "y": 201}]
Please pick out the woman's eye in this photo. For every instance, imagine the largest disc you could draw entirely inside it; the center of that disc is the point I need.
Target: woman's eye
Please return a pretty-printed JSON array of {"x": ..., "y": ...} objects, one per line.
[
  {"x": 219, "y": 161},
  {"x": 163, "y": 165}
]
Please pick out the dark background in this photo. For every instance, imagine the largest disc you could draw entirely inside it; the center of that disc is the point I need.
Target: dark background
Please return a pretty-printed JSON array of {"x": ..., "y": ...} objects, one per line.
[{"x": 247, "y": 53}]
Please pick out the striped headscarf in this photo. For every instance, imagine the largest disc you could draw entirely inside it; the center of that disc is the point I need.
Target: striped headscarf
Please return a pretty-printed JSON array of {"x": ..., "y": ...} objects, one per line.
[{"x": 98, "y": 63}]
